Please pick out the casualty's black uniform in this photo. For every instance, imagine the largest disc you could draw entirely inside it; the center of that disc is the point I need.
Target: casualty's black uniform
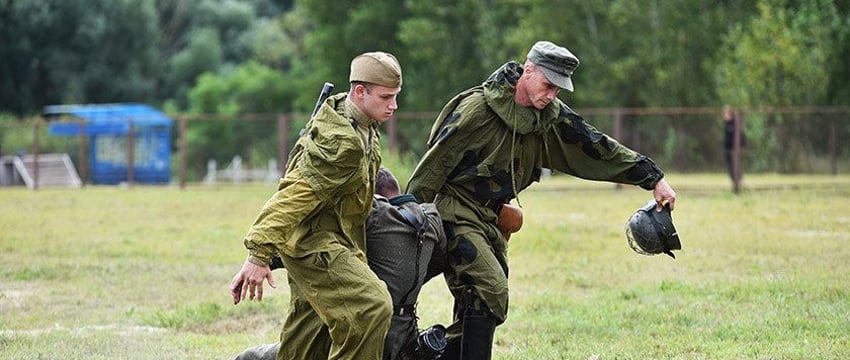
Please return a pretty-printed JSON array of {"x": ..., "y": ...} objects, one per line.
[{"x": 401, "y": 237}]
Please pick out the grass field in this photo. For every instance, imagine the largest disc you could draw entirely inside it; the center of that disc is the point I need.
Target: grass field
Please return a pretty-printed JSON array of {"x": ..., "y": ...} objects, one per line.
[{"x": 142, "y": 273}]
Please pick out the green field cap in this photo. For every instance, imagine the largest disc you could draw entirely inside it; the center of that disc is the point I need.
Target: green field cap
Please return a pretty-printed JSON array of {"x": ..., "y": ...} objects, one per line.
[
  {"x": 557, "y": 63},
  {"x": 378, "y": 68}
]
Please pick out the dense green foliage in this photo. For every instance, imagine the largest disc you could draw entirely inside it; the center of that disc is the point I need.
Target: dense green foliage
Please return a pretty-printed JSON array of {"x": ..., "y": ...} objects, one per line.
[
  {"x": 218, "y": 56},
  {"x": 650, "y": 53}
]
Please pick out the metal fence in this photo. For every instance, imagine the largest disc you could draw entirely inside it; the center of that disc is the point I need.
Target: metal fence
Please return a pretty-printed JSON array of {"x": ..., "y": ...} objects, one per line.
[{"x": 807, "y": 140}]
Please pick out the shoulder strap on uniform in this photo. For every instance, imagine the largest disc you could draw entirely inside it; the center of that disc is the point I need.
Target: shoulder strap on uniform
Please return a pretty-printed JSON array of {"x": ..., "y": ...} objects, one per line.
[
  {"x": 414, "y": 222},
  {"x": 410, "y": 218}
]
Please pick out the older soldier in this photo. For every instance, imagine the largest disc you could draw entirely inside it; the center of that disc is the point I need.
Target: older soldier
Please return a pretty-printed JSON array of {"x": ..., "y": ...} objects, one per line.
[
  {"x": 401, "y": 235},
  {"x": 489, "y": 143},
  {"x": 316, "y": 223}
]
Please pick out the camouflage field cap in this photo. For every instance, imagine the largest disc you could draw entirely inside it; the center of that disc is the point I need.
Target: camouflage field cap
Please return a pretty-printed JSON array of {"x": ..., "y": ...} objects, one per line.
[
  {"x": 557, "y": 63},
  {"x": 377, "y": 68}
]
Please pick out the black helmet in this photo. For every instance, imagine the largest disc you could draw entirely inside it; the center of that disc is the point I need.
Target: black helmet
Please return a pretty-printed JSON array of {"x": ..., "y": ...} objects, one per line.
[{"x": 651, "y": 232}]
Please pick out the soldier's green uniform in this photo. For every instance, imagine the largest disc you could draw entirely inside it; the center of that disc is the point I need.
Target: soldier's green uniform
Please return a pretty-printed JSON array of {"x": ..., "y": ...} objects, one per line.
[
  {"x": 484, "y": 149},
  {"x": 401, "y": 237},
  {"x": 316, "y": 223}
]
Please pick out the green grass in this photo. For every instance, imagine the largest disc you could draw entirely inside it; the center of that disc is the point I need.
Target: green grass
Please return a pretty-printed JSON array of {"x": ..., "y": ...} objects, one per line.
[{"x": 143, "y": 273}]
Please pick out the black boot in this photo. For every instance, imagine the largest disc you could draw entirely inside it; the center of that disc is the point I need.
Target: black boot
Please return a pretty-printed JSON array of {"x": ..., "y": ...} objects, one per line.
[
  {"x": 477, "y": 340},
  {"x": 452, "y": 351}
]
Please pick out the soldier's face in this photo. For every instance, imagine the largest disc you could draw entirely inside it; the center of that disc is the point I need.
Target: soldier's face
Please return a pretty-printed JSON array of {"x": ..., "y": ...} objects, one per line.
[
  {"x": 378, "y": 102},
  {"x": 534, "y": 90}
]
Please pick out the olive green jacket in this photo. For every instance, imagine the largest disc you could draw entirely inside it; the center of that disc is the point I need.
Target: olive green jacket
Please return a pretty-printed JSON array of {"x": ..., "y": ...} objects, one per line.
[
  {"x": 324, "y": 198},
  {"x": 485, "y": 148}
]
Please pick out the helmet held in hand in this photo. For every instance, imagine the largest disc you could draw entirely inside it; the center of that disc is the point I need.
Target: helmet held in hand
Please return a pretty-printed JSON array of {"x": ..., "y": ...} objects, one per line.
[{"x": 651, "y": 232}]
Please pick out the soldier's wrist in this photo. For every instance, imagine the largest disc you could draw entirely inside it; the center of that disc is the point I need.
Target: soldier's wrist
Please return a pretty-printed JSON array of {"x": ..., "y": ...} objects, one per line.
[
  {"x": 652, "y": 174},
  {"x": 259, "y": 260}
]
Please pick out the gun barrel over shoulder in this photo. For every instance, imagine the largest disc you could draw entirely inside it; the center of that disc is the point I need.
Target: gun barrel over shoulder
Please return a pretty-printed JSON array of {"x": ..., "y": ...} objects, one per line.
[{"x": 326, "y": 92}]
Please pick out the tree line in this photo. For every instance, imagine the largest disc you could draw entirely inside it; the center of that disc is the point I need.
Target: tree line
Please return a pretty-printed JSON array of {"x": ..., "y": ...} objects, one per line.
[{"x": 232, "y": 57}]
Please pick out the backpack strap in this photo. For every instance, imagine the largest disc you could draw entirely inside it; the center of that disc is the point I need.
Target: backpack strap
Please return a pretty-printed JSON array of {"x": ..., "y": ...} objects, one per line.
[{"x": 419, "y": 226}]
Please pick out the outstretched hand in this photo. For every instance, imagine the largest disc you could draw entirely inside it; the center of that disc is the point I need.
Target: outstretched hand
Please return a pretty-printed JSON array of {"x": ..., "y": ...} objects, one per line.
[
  {"x": 663, "y": 194},
  {"x": 249, "y": 281}
]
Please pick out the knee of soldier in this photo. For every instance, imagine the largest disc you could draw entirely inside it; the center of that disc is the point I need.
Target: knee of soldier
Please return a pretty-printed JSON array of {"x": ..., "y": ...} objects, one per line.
[{"x": 492, "y": 302}]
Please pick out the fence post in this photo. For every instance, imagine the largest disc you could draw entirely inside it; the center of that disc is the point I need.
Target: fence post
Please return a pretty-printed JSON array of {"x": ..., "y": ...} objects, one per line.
[
  {"x": 236, "y": 169},
  {"x": 81, "y": 152},
  {"x": 35, "y": 151},
  {"x": 833, "y": 148},
  {"x": 736, "y": 153},
  {"x": 183, "y": 152},
  {"x": 212, "y": 172},
  {"x": 617, "y": 132},
  {"x": 282, "y": 143},
  {"x": 131, "y": 154}
]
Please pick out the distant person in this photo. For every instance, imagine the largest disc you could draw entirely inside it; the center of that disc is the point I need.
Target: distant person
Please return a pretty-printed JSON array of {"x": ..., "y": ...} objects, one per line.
[
  {"x": 729, "y": 144},
  {"x": 401, "y": 236},
  {"x": 489, "y": 143},
  {"x": 316, "y": 224}
]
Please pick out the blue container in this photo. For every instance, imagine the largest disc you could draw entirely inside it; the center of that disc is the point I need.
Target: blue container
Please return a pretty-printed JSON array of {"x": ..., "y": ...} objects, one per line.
[{"x": 107, "y": 127}]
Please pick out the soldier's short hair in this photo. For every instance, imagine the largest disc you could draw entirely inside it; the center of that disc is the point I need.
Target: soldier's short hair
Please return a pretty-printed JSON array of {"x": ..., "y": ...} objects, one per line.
[{"x": 386, "y": 184}]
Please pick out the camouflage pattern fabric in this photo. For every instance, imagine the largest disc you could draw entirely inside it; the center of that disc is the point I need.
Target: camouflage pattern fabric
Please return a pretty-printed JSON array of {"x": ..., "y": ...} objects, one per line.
[{"x": 484, "y": 150}]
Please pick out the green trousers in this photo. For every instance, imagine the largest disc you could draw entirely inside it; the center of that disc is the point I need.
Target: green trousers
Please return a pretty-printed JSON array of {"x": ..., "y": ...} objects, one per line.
[
  {"x": 477, "y": 275},
  {"x": 339, "y": 309}
]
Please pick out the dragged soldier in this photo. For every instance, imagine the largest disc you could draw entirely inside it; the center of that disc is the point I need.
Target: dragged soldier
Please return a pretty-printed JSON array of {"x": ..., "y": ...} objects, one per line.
[
  {"x": 316, "y": 224},
  {"x": 401, "y": 236},
  {"x": 489, "y": 143}
]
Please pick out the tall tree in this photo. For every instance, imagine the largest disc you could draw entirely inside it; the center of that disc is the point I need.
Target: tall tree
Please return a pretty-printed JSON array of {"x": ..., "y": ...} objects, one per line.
[
  {"x": 339, "y": 31},
  {"x": 450, "y": 46},
  {"x": 201, "y": 36},
  {"x": 781, "y": 57},
  {"x": 57, "y": 51},
  {"x": 250, "y": 88}
]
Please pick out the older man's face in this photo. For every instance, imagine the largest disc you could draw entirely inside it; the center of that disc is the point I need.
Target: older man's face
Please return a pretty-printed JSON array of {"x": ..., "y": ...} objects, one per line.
[{"x": 534, "y": 90}]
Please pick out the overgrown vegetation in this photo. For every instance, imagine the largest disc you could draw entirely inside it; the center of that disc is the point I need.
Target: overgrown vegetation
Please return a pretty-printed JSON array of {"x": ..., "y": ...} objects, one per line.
[{"x": 231, "y": 57}]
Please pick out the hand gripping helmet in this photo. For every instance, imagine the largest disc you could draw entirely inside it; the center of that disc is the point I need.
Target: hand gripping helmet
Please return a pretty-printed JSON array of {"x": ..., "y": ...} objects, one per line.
[{"x": 651, "y": 232}]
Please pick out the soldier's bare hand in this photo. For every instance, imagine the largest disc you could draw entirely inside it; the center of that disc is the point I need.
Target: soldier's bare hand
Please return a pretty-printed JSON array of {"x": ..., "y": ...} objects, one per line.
[
  {"x": 249, "y": 282},
  {"x": 664, "y": 194}
]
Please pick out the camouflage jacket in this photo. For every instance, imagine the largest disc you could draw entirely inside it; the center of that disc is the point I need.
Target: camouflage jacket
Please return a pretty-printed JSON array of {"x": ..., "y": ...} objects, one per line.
[
  {"x": 326, "y": 194},
  {"x": 484, "y": 149}
]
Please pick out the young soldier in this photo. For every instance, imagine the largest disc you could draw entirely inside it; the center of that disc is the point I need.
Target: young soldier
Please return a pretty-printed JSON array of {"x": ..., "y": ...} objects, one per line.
[
  {"x": 489, "y": 143},
  {"x": 316, "y": 223}
]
